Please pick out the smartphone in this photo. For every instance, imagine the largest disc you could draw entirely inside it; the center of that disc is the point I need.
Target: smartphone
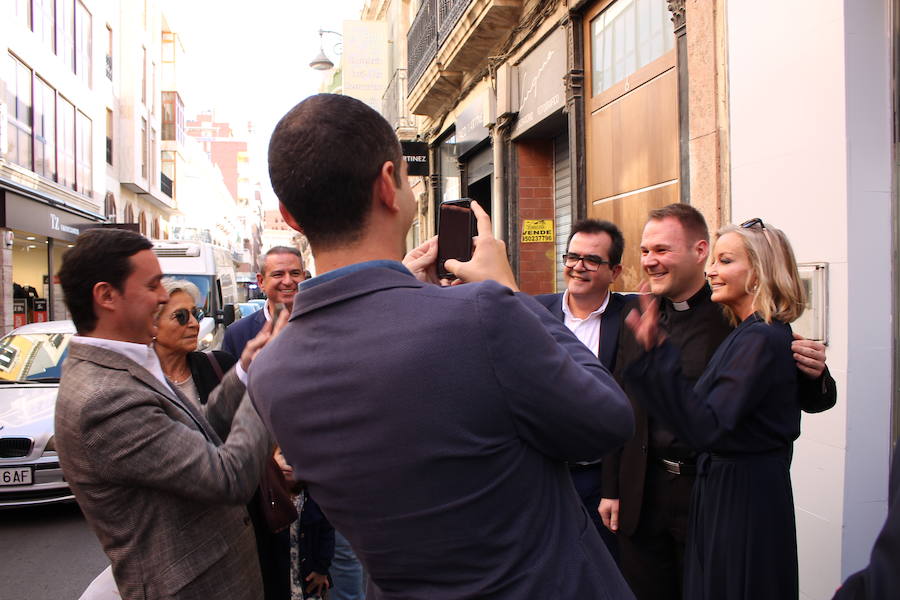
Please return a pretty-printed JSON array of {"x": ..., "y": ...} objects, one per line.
[
  {"x": 279, "y": 306},
  {"x": 456, "y": 227}
]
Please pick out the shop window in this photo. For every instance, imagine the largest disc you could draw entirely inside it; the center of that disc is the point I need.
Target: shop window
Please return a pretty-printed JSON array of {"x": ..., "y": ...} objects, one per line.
[
  {"x": 84, "y": 155},
  {"x": 625, "y": 37},
  {"x": 83, "y": 43},
  {"x": 109, "y": 207},
  {"x": 44, "y": 129},
  {"x": 20, "y": 103},
  {"x": 66, "y": 129}
]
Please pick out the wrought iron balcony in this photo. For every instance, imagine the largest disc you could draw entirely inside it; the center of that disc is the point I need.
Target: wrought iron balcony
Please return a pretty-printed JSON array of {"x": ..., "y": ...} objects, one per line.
[
  {"x": 393, "y": 102},
  {"x": 421, "y": 41},
  {"x": 448, "y": 13}
]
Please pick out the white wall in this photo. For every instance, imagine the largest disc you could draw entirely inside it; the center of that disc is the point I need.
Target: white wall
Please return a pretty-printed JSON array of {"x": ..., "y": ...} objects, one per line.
[{"x": 809, "y": 85}]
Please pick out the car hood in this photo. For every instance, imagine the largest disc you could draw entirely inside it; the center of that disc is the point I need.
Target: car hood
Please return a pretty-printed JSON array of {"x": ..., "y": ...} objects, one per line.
[{"x": 27, "y": 409}]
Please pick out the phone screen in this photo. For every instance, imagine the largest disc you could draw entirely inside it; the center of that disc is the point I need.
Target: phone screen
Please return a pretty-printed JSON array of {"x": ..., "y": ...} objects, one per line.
[{"x": 455, "y": 230}]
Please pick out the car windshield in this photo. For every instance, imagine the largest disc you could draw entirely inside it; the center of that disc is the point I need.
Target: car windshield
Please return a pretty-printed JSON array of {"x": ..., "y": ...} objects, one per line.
[
  {"x": 34, "y": 357},
  {"x": 202, "y": 282}
]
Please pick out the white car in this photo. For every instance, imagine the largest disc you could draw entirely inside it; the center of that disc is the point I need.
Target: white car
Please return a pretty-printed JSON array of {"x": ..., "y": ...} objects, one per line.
[{"x": 30, "y": 361}]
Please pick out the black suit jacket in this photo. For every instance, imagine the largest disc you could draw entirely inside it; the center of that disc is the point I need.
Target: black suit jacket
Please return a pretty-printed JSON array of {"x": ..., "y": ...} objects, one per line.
[
  {"x": 242, "y": 331},
  {"x": 609, "y": 330}
]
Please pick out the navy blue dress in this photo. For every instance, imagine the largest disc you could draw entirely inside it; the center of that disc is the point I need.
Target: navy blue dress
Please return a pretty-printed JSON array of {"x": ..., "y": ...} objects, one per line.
[{"x": 743, "y": 415}]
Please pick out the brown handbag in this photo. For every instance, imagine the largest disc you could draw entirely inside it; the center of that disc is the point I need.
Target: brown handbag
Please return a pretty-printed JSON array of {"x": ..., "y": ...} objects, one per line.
[{"x": 275, "y": 502}]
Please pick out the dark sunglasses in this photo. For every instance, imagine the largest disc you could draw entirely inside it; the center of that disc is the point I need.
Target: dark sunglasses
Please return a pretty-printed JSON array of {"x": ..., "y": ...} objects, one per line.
[
  {"x": 183, "y": 315},
  {"x": 753, "y": 223},
  {"x": 591, "y": 262}
]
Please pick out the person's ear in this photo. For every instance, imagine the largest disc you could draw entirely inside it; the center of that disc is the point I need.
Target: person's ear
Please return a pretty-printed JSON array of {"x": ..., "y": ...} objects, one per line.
[
  {"x": 385, "y": 187},
  {"x": 289, "y": 218},
  {"x": 616, "y": 271},
  {"x": 701, "y": 247},
  {"x": 259, "y": 279},
  {"x": 105, "y": 295}
]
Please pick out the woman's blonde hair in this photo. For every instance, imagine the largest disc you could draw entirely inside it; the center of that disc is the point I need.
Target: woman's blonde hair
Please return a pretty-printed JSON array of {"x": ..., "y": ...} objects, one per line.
[{"x": 778, "y": 292}]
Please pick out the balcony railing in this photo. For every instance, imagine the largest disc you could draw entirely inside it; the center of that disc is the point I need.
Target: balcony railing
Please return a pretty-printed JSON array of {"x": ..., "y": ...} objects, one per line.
[
  {"x": 393, "y": 102},
  {"x": 165, "y": 184},
  {"x": 448, "y": 13},
  {"x": 421, "y": 41},
  {"x": 109, "y": 67},
  {"x": 430, "y": 29}
]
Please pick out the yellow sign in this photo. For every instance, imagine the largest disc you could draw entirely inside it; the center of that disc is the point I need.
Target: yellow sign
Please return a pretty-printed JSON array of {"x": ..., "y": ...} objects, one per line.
[{"x": 537, "y": 230}]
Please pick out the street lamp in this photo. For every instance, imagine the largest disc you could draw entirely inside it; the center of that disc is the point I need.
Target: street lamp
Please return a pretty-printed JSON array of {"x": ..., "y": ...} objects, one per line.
[{"x": 321, "y": 62}]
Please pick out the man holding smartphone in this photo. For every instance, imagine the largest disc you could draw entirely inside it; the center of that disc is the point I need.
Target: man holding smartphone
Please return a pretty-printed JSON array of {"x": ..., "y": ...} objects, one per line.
[{"x": 414, "y": 417}]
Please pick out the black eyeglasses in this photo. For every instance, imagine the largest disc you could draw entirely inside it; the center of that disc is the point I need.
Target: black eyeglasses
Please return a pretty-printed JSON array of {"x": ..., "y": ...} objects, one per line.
[
  {"x": 591, "y": 262},
  {"x": 183, "y": 315},
  {"x": 753, "y": 223}
]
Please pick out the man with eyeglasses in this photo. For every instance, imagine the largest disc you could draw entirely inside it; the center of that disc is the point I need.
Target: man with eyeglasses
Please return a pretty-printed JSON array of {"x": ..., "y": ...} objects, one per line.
[
  {"x": 592, "y": 263},
  {"x": 647, "y": 486}
]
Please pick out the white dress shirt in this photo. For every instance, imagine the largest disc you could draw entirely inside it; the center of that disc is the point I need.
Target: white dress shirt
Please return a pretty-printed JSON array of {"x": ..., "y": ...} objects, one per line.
[
  {"x": 142, "y": 354},
  {"x": 587, "y": 330}
]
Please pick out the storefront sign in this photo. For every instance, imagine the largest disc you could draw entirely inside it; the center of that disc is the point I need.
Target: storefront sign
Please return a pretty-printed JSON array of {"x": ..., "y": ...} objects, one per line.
[
  {"x": 365, "y": 61},
  {"x": 19, "y": 212},
  {"x": 537, "y": 230},
  {"x": 542, "y": 91},
  {"x": 39, "y": 314},
  {"x": 470, "y": 128},
  {"x": 20, "y": 317},
  {"x": 416, "y": 156}
]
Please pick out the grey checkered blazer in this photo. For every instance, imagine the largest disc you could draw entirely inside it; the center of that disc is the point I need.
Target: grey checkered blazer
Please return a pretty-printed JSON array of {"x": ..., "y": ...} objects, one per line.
[{"x": 163, "y": 493}]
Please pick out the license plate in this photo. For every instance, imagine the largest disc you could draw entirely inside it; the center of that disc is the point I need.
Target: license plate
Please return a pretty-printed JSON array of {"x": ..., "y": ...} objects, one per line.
[{"x": 16, "y": 476}]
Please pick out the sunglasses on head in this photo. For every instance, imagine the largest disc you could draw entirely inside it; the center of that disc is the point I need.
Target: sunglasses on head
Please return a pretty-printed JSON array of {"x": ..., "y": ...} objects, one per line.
[
  {"x": 757, "y": 222},
  {"x": 183, "y": 315}
]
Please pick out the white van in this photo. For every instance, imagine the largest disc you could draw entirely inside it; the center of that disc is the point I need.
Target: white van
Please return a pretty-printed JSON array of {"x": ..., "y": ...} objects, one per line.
[{"x": 211, "y": 269}]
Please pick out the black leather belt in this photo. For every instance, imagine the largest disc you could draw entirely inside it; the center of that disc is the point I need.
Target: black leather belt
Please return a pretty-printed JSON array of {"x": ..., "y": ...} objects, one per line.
[{"x": 677, "y": 467}]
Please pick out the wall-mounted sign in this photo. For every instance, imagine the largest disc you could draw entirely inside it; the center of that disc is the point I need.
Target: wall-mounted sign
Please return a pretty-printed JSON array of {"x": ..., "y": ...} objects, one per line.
[
  {"x": 18, "y": 212},
  {"x": 537, "y": 230},
  {"x": 812, "y": 324},
  {"x": 470, "y": 124},
  {"x": 365, "y": 61},
  {"x": 416, "y": 156},
  {"x": 541, "y": 88}
]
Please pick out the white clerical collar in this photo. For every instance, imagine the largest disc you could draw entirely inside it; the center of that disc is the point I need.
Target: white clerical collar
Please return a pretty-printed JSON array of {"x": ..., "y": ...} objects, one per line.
[
  {"x": 142, "y": 354},
  {"x": 681, "y": 306},
  {"x": 595, "y": 313}
]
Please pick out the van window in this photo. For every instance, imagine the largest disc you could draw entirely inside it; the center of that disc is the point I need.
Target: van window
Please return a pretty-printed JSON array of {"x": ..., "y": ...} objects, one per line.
[{"x": 203, "y": 284}]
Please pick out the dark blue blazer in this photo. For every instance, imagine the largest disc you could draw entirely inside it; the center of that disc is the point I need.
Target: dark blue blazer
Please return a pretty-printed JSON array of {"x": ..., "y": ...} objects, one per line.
[
  {"x": 242, "y": 331},
  {"x": 432, "y": 426},
  {"x": 611, "y": 323}
]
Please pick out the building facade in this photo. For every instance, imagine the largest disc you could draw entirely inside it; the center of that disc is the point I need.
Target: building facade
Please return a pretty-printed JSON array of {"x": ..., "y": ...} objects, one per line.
[{"x": 553, "y": 110}]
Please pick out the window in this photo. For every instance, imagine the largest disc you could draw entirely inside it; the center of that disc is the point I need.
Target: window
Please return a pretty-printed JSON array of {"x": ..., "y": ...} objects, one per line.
[
  {"x": 143, "y": 147},
  {"x": 68, "y": 34},
  {"x": 144, "y": 76},
  {"x": 83, "y": 43},
  {"x": 84, "y": 154},
  {"x": 19, "y": 101},
  {"x": 44, "y": 22},
  {"x": 625, "y": 37},
  {"x": 172, "y": 117},
  {"x": 44, "y": 129},
  {"x": 154, "y": 228},
  {"x": 129, "y": 214},
  {"x": 153, "y": 169},
  {"x": 167, "y": 177},
  {"x": 65, "y": 127},
  {"x": 109, "y": 52},
  {"x": 153, "y": 87},
  {"x": 142, "y": 221},
  {"x": 109, "y": 207},
  {"x": 109, "y": 137},
  {"x": 23, "y": 13}
]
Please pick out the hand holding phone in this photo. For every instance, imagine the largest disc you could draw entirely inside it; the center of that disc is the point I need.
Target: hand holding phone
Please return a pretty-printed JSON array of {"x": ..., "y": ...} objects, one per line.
[{"x": 456, "y": 227}]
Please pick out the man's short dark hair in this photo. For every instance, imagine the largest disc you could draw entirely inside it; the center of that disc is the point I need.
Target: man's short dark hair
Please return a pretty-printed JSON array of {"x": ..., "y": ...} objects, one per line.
[
  {"x": 324, "y": 156},
  {"x": 278, "y": 250},
  {"x": 691, "y": 219},
  {"x": 616, "y": 248},
  {"x": 98, "y": 255}
]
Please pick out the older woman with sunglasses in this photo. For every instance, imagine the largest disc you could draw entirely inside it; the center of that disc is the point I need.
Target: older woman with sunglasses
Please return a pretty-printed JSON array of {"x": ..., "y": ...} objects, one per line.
[{"x": 743, "y": 415}]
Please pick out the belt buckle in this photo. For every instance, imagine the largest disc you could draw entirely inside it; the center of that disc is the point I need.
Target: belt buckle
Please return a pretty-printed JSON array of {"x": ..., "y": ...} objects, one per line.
[{"x": 672, "y": 466}]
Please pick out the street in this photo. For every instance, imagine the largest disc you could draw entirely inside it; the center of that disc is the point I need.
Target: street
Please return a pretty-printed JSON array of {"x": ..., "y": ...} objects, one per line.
[{"x": 47, "y": 553}]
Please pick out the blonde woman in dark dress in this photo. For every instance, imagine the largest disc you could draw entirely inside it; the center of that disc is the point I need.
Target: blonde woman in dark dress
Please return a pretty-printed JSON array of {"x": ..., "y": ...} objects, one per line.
[{"x": 743, "y": 415}]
